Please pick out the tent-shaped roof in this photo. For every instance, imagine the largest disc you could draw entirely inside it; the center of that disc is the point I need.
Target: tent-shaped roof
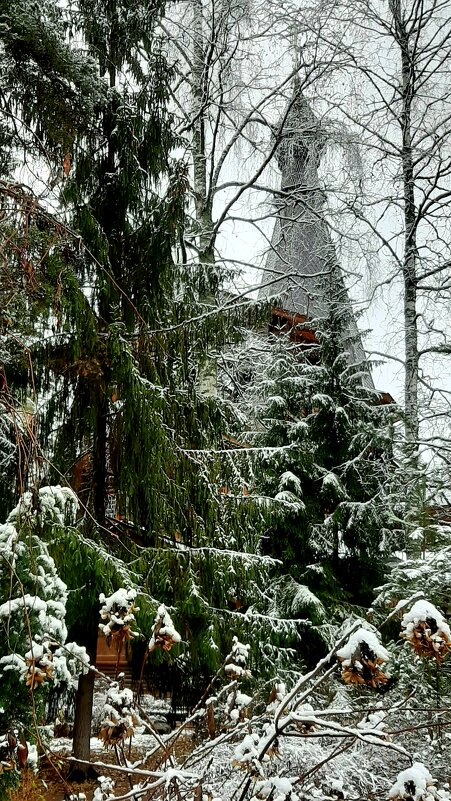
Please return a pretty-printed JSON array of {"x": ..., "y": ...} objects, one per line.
[{"x": 301, "y": 270}]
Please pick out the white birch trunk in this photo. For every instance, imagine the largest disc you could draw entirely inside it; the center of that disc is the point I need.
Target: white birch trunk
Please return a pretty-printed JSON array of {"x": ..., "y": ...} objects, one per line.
[
  {"x": 202, "y": 191},
  {"x": 410, "y": 237}
]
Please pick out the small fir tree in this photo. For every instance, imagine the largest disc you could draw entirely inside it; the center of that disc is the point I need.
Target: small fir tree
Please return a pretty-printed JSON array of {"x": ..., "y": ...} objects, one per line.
[{"x": 326, "y": 462}]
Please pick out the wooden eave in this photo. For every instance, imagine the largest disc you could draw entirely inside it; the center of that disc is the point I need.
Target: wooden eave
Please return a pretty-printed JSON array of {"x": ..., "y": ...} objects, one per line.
[
  {"x": 297, "y": 325},
  {"x": 385, "y": 399}
]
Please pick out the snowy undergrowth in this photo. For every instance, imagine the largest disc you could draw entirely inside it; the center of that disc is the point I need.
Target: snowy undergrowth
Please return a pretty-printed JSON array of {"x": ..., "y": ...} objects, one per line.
[
  {"x": 339, "y": 732},
  {"x": 316, "y": 740},
  {"x": 33, "y": 633}
]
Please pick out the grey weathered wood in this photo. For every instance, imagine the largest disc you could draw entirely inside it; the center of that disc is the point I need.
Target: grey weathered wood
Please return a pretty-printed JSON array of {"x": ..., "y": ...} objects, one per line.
[{"x": 301, "y": 269}]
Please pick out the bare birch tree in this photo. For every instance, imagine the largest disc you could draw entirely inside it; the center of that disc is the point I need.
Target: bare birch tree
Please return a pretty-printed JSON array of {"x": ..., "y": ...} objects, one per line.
[
  {"x": 390, "y": 98},
  {"x": 232, "y": 94},
  {"x": 234, "y": 76}
]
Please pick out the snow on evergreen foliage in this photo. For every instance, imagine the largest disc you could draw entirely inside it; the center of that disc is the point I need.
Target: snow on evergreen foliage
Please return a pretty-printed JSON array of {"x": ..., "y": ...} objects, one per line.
[
  {"x": 236, "y": 662},
  {"x": 54, "y": 505},
  {"x": 32, "y": 619},
  {"x": 412, "y": 574},
  {"x": 294, "y": 600},
  {"x": 8, "y": 444},
  {"x": 322, "y": 456}
]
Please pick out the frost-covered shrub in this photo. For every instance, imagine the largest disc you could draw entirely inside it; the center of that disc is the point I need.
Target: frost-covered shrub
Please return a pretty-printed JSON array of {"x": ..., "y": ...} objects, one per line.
[
  {"x": 32, "y": 616},
  {"x": 425, "y": 628},
  {"x": 119, "y": 716},
  {"x": 361, "y": 658},
  {"x": 117, "y": 614}
]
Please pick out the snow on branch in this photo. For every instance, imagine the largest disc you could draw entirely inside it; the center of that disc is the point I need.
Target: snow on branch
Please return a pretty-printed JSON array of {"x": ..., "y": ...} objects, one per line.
[
  {"x": 118, "y": 612},
  {"x": 120, "y": 716},
  {"x": 413, "y": 784},
  {"x": 425, "y": 628},
  {"x": 361, "y": 658},
  {"x": 164, "y": 635},
  {"x": 235, "y": 665},
  {"x": 56, "y": 504}
]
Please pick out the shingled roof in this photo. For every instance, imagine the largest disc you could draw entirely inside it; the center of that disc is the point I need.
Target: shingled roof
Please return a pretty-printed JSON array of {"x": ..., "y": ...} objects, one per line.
[{"x": 301, "y": 269}]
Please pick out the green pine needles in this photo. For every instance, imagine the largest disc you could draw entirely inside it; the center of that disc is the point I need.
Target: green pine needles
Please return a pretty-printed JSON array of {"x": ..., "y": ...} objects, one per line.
[{"x": 324, "y": 465}]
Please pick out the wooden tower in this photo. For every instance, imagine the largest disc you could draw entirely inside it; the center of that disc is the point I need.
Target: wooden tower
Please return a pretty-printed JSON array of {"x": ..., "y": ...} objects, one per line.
[{"x": 302, "y": 273}]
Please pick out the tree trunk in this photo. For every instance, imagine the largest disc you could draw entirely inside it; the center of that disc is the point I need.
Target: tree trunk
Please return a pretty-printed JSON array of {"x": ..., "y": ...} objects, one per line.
[
  {"x": 82, "y": 725},
  {"x": 83, "y": 706},
  {"x": 207, "y": 380},
  {"x": 86, "y": 631},
  {"x": 410, "y": 238}
]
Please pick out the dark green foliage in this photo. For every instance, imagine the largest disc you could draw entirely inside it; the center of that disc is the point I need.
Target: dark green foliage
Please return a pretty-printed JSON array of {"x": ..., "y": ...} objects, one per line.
[
  {"x": 114, "y": 334},
  {"x": 328, "y": 475},
  {"x": 122, "y": 337},
  {"x": 49, "y": 88}
]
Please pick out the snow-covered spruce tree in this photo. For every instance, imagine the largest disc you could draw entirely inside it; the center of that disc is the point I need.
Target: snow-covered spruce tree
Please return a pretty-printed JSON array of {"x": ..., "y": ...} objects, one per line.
[
  {"x": 326, "y": 463},
  {"x": 114, "y": 347},
  {"x": 33, "y": 633},
  {"x": 429, "y": 568},
  {"x": 422, "y": 559},
  {"x": 49, "y": 92}
]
